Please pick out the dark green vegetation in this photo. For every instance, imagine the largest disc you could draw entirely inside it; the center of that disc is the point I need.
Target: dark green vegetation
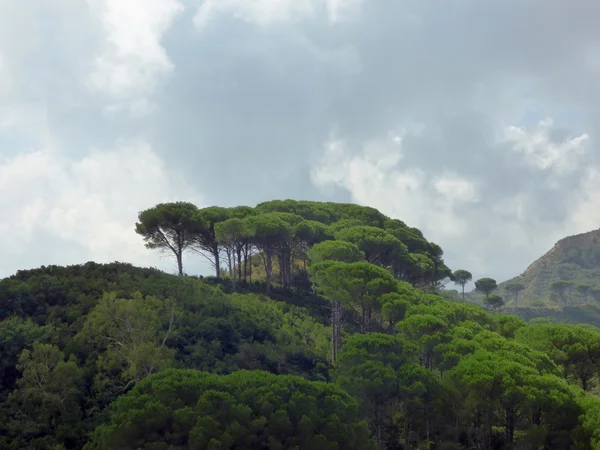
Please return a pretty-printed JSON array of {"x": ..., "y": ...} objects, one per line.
[{"x": 341, "y": 341}]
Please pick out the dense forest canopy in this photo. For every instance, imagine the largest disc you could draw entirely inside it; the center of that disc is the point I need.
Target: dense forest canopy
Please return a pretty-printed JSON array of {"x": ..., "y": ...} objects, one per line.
[{"x": 325, "y": 326}]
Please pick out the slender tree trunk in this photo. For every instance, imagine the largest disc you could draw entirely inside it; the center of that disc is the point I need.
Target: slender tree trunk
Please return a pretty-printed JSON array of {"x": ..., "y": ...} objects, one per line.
[
  {"x": 463, "y": 292},
  {"x": 363, "y": 327},
  {"x": 334, "y": 333},
  {"x": 217, "y": 261},
  {"x": 268, "y": 270},
  {"x": 239, "y": 262},
  {"x": 246, "y": 262},
  {"x": 231, "y": 260},
  {"x": 179, "y": 256}
]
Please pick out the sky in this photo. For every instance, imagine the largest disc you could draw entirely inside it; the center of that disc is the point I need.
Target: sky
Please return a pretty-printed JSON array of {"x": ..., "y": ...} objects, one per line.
[{"x": 477, "y": 122}]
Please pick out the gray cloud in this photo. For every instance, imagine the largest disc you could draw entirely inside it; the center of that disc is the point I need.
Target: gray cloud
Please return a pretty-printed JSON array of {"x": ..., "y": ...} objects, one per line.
[{"x": 243, "y": 106}]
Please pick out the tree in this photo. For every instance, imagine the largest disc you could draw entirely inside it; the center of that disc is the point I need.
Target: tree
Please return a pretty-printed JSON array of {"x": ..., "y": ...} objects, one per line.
[
  {"x": 461, "y": 277},
  {"x": 232, "y": 235},
  {"x": 504, "y": 391},
  {"x": 357, "y": 287},
  {"x": 335, "y": 251},
  {"x": 169, "y": 226},
  {"x": 132, "y": 333},
  {"x": 371, "y": 368},
  {"x": 486, "y": 286},
  {"x": 572, "y": 347},
  {"x": 49, "y": 396},
  {"x": 340, "y": 251},
  {"x": 243, "y": 410},
  {"x": 514, "y": 289},
  {"x": 307, "y": 234},
  {"x": 268, "y": 233},
  {"x": 379, "y": 246},
  {"x": 494, "y": 301},
  {"x": 204, "y": 236}
]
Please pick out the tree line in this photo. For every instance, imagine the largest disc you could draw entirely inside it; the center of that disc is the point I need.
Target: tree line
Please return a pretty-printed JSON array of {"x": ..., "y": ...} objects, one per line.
[
  {"x": 280, "y": 233},
  {"x": 116, "y": 357}
]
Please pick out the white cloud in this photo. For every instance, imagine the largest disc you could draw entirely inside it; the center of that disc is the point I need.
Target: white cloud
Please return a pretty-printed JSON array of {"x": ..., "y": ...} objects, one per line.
[
  {"x": 455, "y": 188},
  {"x": 585, "y": 214},
  {"x": 442, "y": 204},
  {"x": 88, "y": 205},
  {"x": 542, "y": 153},
  {"x": 373, "y": 178},
  {"x": 266, "y": 12},
  {"x": 133, "y": 58}
]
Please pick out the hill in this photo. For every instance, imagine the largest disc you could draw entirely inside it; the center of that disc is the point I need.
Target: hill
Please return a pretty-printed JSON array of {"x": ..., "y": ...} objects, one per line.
[
  {"x": 567, "y": 276},
  {"x": 353, "y": 348}
]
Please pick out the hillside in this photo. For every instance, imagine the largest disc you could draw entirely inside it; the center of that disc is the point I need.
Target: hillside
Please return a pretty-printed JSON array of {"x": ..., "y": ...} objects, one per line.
[
  {"x": 353, "y": 348},
  {"x": 574, "y": 260}
]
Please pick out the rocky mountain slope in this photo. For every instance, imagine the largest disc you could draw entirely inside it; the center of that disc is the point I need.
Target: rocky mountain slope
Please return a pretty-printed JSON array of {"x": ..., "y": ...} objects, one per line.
[{"x": 567, "y": 276}]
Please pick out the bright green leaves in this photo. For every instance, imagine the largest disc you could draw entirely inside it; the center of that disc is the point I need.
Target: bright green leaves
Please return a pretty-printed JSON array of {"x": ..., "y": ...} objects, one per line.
[
  {"x": 379, "y": 246},
  {"x": 335, "y": 251},
  {"x": 132, "y": 334},
  {"x": 357, "y": 286},
  {"x": 503, "y": 391},
  {"x": 48, "y": 396},
  {"x": 576, "y": 349}
]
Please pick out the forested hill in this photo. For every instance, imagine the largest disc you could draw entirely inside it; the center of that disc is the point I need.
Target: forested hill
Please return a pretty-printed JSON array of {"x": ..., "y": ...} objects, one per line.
[
  {"x": 341, "y": 342},
  {"x": 567, "y": 276}
]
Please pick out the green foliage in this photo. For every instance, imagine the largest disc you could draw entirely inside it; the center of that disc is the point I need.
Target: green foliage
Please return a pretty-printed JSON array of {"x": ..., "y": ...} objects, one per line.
[
  {"x": 461, "y": 277},
  {"x": 486, "y": 286},
  {"x": 169, "y": 226},
  {"x": 494, "y": 301},
  {"x": 357, "y": 286},
  {"x": 335, "y": 251},
  {"x": 352, "y": 345},
  {"x": 248, "y": 409},
  {"x": 574, "y": 348}
]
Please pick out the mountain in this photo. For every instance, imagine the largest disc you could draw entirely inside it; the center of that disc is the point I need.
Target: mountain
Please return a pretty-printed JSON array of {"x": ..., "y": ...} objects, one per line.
[{"x": 566, "y": 277}]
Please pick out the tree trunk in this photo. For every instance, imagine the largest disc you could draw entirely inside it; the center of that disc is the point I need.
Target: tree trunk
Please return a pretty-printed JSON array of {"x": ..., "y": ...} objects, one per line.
[
  {"x": 179, "y": 256},
  {"x": 246, "y": 255},
  {"x": 217, "y": 261},
  {"x": 239, "y": 262},
  {"x": 268, "y": 271},
  {"x": 334, "y": 331}
]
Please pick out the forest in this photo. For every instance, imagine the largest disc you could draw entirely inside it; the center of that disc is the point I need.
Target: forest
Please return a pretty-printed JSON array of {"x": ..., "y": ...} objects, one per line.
[{"x": 323, "y": 326}]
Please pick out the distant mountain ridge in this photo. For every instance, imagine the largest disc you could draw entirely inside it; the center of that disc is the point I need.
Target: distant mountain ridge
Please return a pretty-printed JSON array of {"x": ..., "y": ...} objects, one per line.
[{"x": 574, "y": 259}]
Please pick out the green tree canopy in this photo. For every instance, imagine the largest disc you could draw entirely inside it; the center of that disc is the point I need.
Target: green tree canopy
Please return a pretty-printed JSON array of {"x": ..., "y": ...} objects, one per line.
[
  {"x": 187, "y": 409},
  {"x": 170, "y": 227},
  {"x": 461, "y": 277},
  {"x": 379, "y": 246},
  {"x": 335, "y": 251},
  {"x": 486, "y": 286}
]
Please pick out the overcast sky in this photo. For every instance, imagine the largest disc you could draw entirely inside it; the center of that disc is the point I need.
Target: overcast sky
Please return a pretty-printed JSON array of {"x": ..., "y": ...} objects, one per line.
[{"x": 476, "y": 121}]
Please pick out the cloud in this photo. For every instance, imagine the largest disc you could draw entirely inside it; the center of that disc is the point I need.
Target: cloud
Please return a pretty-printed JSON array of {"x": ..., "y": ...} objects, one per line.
[
  {"x": 74, "y": 210},
  {"x": 267, "y": 12},
  {"x": 474, "y": 217},
  {"x": 133, "y": 59},
  {"x": 436, "y": 117},
  {"x": 374, "y": 177},
  {"x": 542, "y": 153}
]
